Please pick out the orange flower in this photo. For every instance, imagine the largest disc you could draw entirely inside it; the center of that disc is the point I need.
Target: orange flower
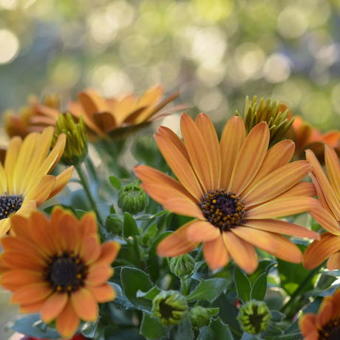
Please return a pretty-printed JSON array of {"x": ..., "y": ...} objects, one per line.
[
  {"x": 58, "y": 268},
  {"x": 325, "y": 325},
  {"x": 105, "y": 115},
  {"x": 34, "y": 117},
  {"x": 308, "y": 137},
  {"x": 326, "y": 212},
  {"x": 24, "y": 175},
  {"x": 234, "y": 189}
]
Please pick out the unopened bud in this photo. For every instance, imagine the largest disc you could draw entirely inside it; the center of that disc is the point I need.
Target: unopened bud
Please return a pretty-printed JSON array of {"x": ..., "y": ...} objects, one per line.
[
  {"x": 132, "y": 198},
  {"x": 182, "y": 266},
  {"x": 201, "y": 316}
]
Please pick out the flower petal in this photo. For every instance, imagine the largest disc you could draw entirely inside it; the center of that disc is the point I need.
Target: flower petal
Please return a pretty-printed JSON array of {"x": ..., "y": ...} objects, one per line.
[
  {"x": 16, "y": 278},
  {"x": 282, "y": 227},
  {"x": 61, "y": 180},
  {"x": 109, "y": 251},
  {"x": 84, "y": 304},
  {"x": 233, "y": 135},
  {"x": 241, "y": 251},
  {"x": 104, "y": 293},
  {"x": 301, "y": 189},
  {"x": 333, "y": 168},
  {"x": 176, "y": 243},
  {"x": 32, "y": 293},
  {"x": 307, "y": 324},
  {"x": 333, "y": 262},
  {"x": 99, "y": 274},
  {"x": 249, "y": 158},
  {"x": 215, "y": 253},
  {"x": 53, "y": 306},
  {"x": 67, "y": 322},
  {"x": 272, "y": 243},
  {"x": 202, "y": 231},
  {"x": 327, "y": 220}
]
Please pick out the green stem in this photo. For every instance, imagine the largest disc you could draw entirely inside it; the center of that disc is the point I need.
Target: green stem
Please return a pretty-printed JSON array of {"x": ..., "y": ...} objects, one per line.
[
  {"x": 185, "y": 285},
  {"x": 87, "y": 190},
  {"x": 300, "y": 288}
]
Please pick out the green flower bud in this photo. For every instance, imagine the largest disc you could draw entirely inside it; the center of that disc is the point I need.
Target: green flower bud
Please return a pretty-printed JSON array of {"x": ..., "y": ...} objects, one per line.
[
  {"x": 132, "y": 198},
  {"x": 276, "y": 115},
  {"x": 170, "y": 307},
  {"x": 76, "y": 141},
  {"x": 201, "y": 316},
  {"x": 254, "y": 317},
  {"x": 182, "y": 266}
]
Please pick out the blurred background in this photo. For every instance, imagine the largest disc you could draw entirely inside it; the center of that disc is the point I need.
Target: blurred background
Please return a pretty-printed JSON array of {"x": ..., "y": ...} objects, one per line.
[{"x": 213, "y": 51}]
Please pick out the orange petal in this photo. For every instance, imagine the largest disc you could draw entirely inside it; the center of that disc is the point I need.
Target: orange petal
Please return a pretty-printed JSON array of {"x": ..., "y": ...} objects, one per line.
[
  {"x": 53, "y": 306},
  {"x": 90, "y": 249},
  {"x": 333, "y": 168},
  {"x": 18, "y": 260},
  {"x": 109, "y": 251},
  {"x": 67, "y": 322},
  {"x": 325, "y": 312},
  {"x": 16, "y": 278},
  {"x": 307, "y": 324},
  {"x": 281, "y": 207},
  {"x": 89, "y": 224},
  {"x": 276, "y": 157},
  {"x": 250, "y": 157},
  {"x": 177, "y": 158},
  {"x": 21, "y": 227},
  {"x": 31, "y": 308},
  {"x": 85, "y": 305},
  {"x": 32, "y": 293},
  {"x": 212, "y": 144},
  {"x": 103, "y": 293},
  {"x": 319, "y": 251},
  {"x": 241, "y": 251},
  {"x": 301, "y": 189},
  {"x": 272, "y": 243},
  {"x": 282, "y": 227},
  {"x": 92, "y": 102},
  {"x": 177, "y": 243},
  {"x": 324, "y": 217},
  {"x": 333, "y": 262},
  {"x": 326, "y": 188},
  {"x": 202, "y": 231},
  {"x": 233, "y": 135},
  {"x": 99, "y": 274},
  {"x": 215, "y": 253},
  {"x": 276, "y": 183},
  {"x": 199, "y": 156}
]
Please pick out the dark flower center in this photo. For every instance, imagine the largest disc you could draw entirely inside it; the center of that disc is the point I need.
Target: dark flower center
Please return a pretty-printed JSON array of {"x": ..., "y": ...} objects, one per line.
[
  {"x": 66, "y": 273},
  {"x": 222, "y": 209},
  {"x": 331, "y": 330},
  {"x": 9, "y": 204}
]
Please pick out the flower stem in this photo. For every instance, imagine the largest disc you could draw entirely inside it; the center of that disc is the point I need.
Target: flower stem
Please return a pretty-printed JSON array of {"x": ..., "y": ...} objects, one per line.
[
  {"x": 300, "y": 288},
  {"x": 87, "y": 190}
]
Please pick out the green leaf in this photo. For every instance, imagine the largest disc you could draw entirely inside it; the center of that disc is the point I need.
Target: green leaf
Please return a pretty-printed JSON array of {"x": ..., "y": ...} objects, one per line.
[
  {"x": 150, "y": 294},
  {"x": 221, "y": 330},
  {"x": 130, "y": 226},
  {"x": 184, "y": 330},
  {"x": 208, "y": 290},
  {"x": 258, "y": 290},
  {"x": 115, "y": 182},
  {"x": 134, "y": 280},
  {"x": 151, "y": 328},
  {"x": 242, "y": 283},
  {"x": 206, "y": 334}
]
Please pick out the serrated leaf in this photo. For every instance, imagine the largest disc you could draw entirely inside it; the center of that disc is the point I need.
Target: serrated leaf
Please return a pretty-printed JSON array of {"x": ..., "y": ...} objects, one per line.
[
  {"x": 151, "y": 328},
  {"x": 242, "y": 283},
  {"x": 208, "y": 290},
  {"x": 130, "y": 226}
]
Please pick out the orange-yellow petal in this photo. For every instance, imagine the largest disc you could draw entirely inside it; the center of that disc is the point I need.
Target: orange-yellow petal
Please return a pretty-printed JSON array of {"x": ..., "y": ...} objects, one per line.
[
  {"x": 327, "y": 220},
  {"x": 84, "y": 304},
  {"x": 215, "y": 253},
  {"x": 53, "y": 306},
  {"x": 307, "y": 324},
  {"x": 333, "y": 262},
  {"x": 202, "y": 231},
  {"x": 333, "y": 168},
  {"x": 67, "y": 322},
  {"x": 32, "y": 293},
  {"x": 109, "y": 252},
  {"x": 301, "y": 189},
  {"x": 99, "y": 274},
  {"x": 103, "y": 293}
]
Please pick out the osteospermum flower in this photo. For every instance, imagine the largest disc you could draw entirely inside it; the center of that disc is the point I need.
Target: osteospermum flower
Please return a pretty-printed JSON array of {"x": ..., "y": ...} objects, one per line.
[
  {"x": 327, "y": 212},
  {"x": 58, "y": 268},
  {"x": 24, "y": 176},
  {"x": 325, "y": 325},
  {"x": 233, "y": 189},
  {"x": 103, "y": 115}
]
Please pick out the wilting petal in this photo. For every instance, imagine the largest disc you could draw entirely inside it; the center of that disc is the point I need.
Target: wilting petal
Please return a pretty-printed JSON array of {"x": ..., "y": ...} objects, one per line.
[
  {"x": 276, "y": 183},
  {"x": 177, "y": 243},
  {"x": 249, "y": 158},
  {"x": 241, "y": 251},
  {"x": 215, "y": 253},
  {"x": 202, "y": 231},
  {"x": 282, "y": 227},
  {"x": 273, "y": 244},
  {"x": 319, "y": 251}
]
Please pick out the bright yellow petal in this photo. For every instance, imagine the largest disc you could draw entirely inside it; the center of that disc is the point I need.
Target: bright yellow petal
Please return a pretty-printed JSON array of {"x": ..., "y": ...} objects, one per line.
[
  {"x": 61, "y": 180},
  {"x": 215, "y": 253},
  {"x": 250, "y": 158},
  {"x": 272, "y": 243},
  {"x": 10, "y": 161},
  {"x": 42, "y": 190},
  {"x": 241, "y": 251},
  {"x": 232, "y": 139}
]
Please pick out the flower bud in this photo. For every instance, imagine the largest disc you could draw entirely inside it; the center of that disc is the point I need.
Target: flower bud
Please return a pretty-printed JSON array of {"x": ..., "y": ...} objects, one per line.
[
  {"x": 254, "y": 317},
  {"x": 201, "y": 316},
  {"x": 170, "y": 307},
  {"x": 132, "y": 198},
  {"x": 182, "y": 266},
  {"x": 76, "y": 142}
]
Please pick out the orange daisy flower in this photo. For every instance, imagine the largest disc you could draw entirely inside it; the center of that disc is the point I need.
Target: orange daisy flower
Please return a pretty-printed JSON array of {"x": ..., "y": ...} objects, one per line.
[
  {"x": 58, "y": 268},
  {"x": 24, "y": 175},
  {"x": 326, "y": 212},
  {"x": 325, "y": 325},
  {"x": 233, "y": 189},
  {"x": 34, "y": 117},
  {"x": 103, "y": 115}
]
